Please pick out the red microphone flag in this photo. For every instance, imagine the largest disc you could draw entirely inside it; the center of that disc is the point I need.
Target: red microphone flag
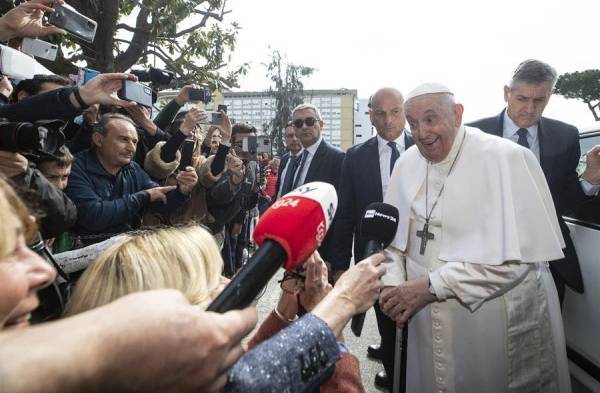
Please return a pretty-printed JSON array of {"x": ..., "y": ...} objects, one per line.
[{"x": 298, "y": 221}]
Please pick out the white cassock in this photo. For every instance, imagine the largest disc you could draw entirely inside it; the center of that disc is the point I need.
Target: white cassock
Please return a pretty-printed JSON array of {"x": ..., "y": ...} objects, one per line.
[{"x": 497, "y": 324}]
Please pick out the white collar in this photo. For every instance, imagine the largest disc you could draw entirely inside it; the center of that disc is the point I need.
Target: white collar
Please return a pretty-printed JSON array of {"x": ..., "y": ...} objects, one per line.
[
  {"x": 510, "y": 128},
  {"x": 383, "y": 144}
]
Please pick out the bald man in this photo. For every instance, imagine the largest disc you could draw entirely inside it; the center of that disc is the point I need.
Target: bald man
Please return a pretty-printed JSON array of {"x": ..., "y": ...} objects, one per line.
[{"x": 365, "y": 178}]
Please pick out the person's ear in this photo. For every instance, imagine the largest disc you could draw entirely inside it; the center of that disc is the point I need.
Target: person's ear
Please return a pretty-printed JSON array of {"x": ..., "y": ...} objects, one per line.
[
  {"x": 97, "y": 138},
  {"x": 506, "y": 93},
  {"x": 458, "y": 112}
]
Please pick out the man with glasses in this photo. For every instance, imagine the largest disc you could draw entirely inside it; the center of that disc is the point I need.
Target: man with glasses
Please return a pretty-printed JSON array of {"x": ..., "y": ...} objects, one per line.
[{"x": 319, "y": 161}]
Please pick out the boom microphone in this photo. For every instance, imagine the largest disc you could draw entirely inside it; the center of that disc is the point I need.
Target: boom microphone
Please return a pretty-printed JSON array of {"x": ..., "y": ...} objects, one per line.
[
  {"x": 287, "y": 233},
  {"x": 378, "y": 227}
]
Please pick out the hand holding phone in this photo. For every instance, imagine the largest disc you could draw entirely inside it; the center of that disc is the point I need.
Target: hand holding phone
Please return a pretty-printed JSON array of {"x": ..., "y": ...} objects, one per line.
[
  {"x": 136, "y": 92},
  {"x": 67, "y": 18}
]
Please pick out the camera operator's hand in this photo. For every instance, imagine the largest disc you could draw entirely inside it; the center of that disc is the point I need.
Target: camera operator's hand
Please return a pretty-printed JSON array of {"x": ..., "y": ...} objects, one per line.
[
  {"x": 141, "y": 116},
  {"x": 6, "y": 88},
  {"x": 25, "y": 20},
  {"x": 159, "y": 193},
  {"x": 355, "y": 292},
  {"x": 184, "y": 94},
  {"x": 191, "y": 120},
  {"x": 12, "y": 164},
  {"x": 316, "y": 285},
  {"x": 103, "y": 89},
  {"x": 187, "y": 180}
]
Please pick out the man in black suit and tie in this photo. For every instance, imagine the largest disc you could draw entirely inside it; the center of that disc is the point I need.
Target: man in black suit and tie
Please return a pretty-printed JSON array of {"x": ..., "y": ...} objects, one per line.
[
  {"x": 289, "y": 161},
  {"x": 365, "y": 178},
  {"x": 556, "y": 146},
  {"x": 319, "y": 161}
]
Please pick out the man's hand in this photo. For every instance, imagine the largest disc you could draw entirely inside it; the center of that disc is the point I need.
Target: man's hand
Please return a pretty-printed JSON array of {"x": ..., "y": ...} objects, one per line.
[
  {"x": 236, "y": 167},
  {"x": 12, "y": 164},
  {"x": 184, "y": 94},
  {"x": 167, "y": 345},
  {"x": 191, "y": 120},
  {"x": 187, "y": 180},
  {"x": 103, "y": 89},
  {"x": 25, "y": 20},
  {"x": 6, "y": 88},
  {"x": 403, "y": 301},
  {"x": 316, "y": 284},
  {"x": 592, "y": 167},
  {"x": 141, "y": 116},
  {"x": 159, "y": 193}
]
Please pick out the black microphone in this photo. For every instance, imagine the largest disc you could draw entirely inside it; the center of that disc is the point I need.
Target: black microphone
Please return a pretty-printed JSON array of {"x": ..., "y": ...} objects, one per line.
[{"x": 378, "y": 228}]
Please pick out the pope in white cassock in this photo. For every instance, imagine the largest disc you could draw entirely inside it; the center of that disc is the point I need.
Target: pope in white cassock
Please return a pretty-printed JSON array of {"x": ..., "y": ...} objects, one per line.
[{"x": 468, "y": 265}]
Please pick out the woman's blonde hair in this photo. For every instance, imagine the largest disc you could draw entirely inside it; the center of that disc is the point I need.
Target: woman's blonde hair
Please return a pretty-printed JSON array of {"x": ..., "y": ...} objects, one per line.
[
  {"x": 182, "y": 258},
  {"x": 15, "y": 218}
]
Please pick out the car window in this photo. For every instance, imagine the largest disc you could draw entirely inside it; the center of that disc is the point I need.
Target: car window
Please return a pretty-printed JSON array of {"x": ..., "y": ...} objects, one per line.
[{"x": 590, "y": 210}]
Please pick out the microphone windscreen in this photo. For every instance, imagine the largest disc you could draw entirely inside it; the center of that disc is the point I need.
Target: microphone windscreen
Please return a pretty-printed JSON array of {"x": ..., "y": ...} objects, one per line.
[
  {"x": 298, "y": 221},
  {"x": 379, "y": 223}
]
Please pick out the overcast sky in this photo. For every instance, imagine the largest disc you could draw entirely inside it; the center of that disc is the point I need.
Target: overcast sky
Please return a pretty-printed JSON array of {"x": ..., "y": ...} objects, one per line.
[{"x": 472, "y": 46}]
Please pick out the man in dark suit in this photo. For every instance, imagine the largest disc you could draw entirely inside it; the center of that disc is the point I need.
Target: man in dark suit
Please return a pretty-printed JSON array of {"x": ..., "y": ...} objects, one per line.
[
  {"x": 319, "y": 161},
  {"x": 556, "y": 146},
  {"x": 289, "y": 161},
  {"x": 365, "y": 178}
]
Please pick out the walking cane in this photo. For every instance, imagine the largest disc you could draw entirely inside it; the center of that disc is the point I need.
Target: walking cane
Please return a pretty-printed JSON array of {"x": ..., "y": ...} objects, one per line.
[{"x": 399, "y": 384}]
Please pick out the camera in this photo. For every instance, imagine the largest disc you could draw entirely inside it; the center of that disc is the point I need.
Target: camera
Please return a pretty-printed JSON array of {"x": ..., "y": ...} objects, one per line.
[
  {"x": 255, "y": 145},
  {"x": 40, "y": 138},
  {"x": 203, "y": 94},
  {"x": 156, "y": 76}
]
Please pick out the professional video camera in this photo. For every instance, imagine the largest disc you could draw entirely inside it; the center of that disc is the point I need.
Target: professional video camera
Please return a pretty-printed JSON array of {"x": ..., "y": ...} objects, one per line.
[
  {"x": 41, "y": 138},
  {"x": 156, "y": 76}
]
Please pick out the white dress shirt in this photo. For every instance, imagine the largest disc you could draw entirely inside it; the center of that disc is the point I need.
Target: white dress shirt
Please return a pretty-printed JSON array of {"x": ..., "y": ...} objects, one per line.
[
  {"x": 385, "y": 153},
  {"x": 312, "y": 149},
  {"x": 510, "y": 132}
]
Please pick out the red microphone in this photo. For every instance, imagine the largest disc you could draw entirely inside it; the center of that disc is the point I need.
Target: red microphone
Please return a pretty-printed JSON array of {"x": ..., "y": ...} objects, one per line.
[{"x": 287, "y": 233}]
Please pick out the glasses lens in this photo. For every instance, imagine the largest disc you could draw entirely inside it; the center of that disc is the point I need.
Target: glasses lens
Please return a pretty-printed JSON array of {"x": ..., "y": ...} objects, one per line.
[
  {"x": 298, "y": 123},
  {"x": 310, "y": 121}
]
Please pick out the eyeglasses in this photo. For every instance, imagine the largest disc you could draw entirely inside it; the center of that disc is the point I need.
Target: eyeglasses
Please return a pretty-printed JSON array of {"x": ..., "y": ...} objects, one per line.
[{"x": 309, "y": 121}]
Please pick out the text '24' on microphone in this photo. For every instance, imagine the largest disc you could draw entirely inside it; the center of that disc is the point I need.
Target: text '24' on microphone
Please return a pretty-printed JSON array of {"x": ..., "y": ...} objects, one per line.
[
  {"x": 287, "y": 234},
  {"x": 377, "y": 228}
]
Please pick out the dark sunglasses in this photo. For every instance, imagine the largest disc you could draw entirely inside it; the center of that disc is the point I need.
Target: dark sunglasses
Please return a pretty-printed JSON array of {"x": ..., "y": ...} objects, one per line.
[{"x": 309, "y": 121}]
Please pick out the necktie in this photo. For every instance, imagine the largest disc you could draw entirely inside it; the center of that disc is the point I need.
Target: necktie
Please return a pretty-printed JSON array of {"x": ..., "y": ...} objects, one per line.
[
  {"x": 394, "y": 155},
  {"x": 523, "y": 137},
  {"x": 299, "y": 173},
  {"x": 289, "y": 174}
]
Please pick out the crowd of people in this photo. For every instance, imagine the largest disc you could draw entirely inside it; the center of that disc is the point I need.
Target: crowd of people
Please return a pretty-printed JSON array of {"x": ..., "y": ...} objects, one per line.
[{"x": 165, "y": 205}]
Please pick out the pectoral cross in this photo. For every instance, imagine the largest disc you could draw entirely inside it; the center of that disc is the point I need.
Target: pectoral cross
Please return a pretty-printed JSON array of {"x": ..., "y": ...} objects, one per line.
[{"x": 425, "y": 236}]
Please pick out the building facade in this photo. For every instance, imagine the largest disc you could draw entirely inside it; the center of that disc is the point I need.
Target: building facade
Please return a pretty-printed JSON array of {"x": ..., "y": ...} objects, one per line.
[{"x": 363, "y": 129}]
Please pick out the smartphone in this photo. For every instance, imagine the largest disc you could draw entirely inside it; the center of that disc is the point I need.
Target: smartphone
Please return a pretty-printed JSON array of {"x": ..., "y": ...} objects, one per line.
[
  {"x": 39, "y": 48},
  {"x": 84, "y": 75},
  {"x": 136, "y": 92},
  {"x": 216, "y": 118},
  {"x": 202, "y": 94},
  {"x": 69, "y": 19},
  {"x": 222, "y": 108},
  {"x": 187, "y": 150},
  {"x": 17, "y": 65}
]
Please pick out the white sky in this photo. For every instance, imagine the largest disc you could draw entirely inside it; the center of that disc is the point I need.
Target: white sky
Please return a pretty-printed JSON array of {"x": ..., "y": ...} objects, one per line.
[{"x": 471, "y": 46}]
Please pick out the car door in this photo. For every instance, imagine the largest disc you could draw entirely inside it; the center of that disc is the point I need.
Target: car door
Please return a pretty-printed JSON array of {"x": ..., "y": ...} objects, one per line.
[{"x": 581, "y": 312}]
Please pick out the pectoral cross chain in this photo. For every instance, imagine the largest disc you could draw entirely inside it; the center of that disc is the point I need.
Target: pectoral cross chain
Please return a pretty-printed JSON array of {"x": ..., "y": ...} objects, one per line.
[{"x": 425, "y": 236}]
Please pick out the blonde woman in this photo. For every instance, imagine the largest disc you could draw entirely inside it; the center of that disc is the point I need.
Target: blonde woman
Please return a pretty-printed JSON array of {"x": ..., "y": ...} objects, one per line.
[{"x": 187, "y": 259}]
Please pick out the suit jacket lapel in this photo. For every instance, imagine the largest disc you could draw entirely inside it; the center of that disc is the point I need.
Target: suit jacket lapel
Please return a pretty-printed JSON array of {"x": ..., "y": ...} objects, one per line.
[
  {"x": 316, "y": 162},
  {"x": 373, "y": 168},
  {"x": 546, "y": 148},
  {"x": 282, "y": 165},
  {"x": 499, "y": 129}
]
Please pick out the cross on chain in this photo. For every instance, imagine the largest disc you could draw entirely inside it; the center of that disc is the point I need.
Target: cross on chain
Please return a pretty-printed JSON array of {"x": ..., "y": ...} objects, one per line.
[{"x": 425, "y": 236}]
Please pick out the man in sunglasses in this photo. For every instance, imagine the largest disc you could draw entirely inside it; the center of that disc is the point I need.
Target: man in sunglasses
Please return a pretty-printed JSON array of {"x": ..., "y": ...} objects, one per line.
[{"x": 319, "y": 160}]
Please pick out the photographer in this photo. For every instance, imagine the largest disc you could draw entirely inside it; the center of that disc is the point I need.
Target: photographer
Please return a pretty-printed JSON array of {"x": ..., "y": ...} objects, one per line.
[
  {"x": 162, "y": 162},
  {"x": 37, "y": 85}
]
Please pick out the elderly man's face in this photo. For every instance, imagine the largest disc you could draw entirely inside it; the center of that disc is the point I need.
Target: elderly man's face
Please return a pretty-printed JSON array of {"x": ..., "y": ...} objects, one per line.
[
  {"x": 387, "y": 115},
  {"x": 434, "y": 121},
  {"x": 117, "y": 147},
  {"x": 308, "y": 134},
  {"x": 526, "y": 102}
]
